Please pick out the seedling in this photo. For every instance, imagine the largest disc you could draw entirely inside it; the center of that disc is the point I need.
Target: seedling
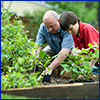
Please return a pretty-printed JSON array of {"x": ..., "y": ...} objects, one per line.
[{"x": 73, "y": 62}]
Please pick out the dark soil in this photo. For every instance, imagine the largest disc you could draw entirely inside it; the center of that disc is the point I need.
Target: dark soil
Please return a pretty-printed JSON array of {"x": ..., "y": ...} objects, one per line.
[{"x": 57, "y": 80}]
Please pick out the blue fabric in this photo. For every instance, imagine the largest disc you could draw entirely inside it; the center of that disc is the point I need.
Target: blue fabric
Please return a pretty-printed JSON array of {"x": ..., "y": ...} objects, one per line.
[
  {"x": 95, "y": 70},
  {"x": 57, "y": 41}
]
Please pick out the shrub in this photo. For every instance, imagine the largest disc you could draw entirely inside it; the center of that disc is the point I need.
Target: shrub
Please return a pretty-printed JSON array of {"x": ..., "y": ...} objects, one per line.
[{"x": 16, "y": 54}]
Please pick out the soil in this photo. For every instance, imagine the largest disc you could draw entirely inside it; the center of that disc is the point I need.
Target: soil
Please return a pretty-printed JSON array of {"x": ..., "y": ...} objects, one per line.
[{"x": 57, "y": 80}]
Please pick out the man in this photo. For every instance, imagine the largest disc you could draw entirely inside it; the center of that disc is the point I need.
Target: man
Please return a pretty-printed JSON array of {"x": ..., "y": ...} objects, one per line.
[{"x": 59, "y": 41}]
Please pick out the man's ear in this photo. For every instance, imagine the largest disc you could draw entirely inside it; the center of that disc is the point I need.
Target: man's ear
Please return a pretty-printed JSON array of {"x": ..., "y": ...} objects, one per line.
[{"x": 58, "y": 19}]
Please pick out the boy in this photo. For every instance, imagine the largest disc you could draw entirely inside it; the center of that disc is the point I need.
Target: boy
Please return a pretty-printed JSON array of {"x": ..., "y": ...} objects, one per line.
[{"x": 83, "y": 33}]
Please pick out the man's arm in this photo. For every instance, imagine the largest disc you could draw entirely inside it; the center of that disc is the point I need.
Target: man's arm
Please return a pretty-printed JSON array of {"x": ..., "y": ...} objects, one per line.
[{"x": 57, "y": 61}]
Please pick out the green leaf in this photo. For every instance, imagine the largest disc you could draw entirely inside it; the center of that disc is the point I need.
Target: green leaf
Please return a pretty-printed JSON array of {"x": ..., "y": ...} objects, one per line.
[
  {"x": 90, "y": 45},
  {"x": 20, "y": 60},
  {"x": 42, "y": 54}
]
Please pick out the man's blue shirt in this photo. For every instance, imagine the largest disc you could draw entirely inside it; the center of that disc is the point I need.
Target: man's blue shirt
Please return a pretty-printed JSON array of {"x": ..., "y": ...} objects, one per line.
[{"x": 61, "y": 39}]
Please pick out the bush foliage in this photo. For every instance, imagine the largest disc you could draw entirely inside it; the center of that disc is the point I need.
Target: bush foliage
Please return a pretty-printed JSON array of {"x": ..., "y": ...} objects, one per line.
[{"x": 16, "y": 54}]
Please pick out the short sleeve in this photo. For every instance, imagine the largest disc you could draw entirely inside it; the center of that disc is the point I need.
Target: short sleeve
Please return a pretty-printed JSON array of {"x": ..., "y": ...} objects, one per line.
[
  {"x": 40, "y": 38},
  {"x": 67, "y": 41}
]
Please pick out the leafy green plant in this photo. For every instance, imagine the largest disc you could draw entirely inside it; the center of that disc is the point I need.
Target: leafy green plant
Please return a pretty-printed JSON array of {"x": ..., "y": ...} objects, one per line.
[
  {"x": 44, "y": 60},
  {"x": 73, "y": 63},
  {"x": 14, "y": 43},
  {"x": 16, "y": 54}
]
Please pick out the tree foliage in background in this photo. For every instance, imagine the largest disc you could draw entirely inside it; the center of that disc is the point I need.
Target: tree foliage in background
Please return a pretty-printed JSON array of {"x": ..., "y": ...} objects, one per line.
[
  {"x": 87, "y": 11},
  {"x": 35, "y": 19}
]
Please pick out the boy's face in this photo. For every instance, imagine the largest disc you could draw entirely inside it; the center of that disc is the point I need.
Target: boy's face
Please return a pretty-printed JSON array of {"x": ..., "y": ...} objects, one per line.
[{"x": 73, "y": 29}]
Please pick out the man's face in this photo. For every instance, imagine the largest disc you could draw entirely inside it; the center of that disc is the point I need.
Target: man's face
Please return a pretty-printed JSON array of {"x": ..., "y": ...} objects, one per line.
[{"x": 52, "y": 25}]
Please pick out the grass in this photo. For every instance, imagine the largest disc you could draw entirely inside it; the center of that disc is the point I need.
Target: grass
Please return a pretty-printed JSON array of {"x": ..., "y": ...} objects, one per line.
[{"x": 6, "y": 96}]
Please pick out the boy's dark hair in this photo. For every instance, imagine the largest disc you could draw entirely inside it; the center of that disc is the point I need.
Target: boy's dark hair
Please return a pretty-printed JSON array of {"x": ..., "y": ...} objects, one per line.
[{"x": 68, "y": 18}]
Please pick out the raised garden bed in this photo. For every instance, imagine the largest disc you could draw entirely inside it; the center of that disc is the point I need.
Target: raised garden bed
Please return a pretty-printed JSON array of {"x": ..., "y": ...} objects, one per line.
[
  {"x": 62, "y": 91},
  {"x": 57, "y": 89}
]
